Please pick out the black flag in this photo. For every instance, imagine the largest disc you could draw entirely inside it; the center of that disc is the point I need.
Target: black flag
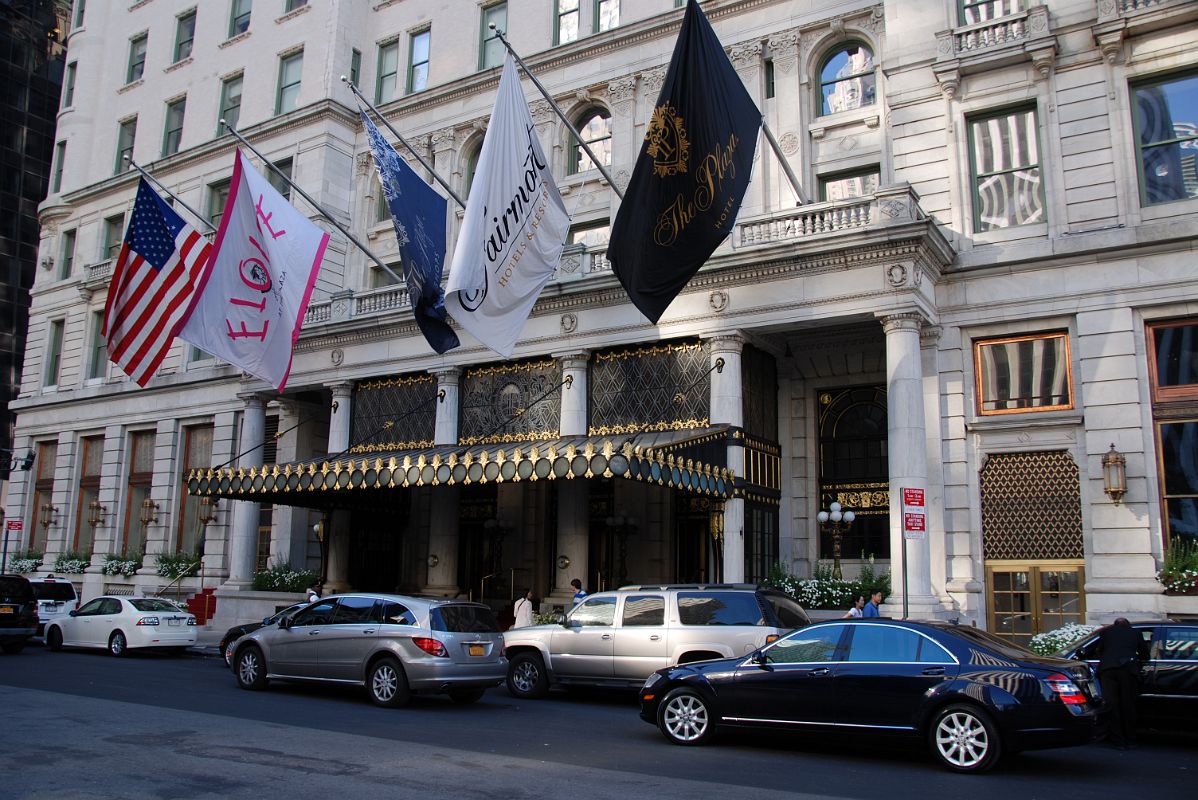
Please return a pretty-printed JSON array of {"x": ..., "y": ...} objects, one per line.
[{"x": 691, "y": 174}]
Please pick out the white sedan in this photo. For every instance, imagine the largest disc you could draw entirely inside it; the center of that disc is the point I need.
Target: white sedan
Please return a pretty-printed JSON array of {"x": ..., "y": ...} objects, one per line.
[{"x": 120, "y": 624}]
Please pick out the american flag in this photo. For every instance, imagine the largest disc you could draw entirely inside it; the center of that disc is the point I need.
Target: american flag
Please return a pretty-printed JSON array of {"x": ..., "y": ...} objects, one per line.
[{"x": 152, "y": 286}]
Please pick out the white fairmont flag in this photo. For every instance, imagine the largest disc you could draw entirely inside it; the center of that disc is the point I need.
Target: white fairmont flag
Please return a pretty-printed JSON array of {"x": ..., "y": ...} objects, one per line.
[
  {"x": 514, "y": 228},
  {"x": 259, "y": 280}
]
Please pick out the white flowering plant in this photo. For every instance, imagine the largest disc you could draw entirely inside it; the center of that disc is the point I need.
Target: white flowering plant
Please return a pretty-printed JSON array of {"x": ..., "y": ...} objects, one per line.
[
  {"x": 177, "y": 565},
  {"x": 120, "y": 565},
  {"x": 1179, "y": 572},
  {"x": 280, "y": 577},
  {"x": 1049, "y": 642},
  {"x": 25, "y": 562},
  {"x": 71, "y": 563},
  {"x": 824, "y": 591}
]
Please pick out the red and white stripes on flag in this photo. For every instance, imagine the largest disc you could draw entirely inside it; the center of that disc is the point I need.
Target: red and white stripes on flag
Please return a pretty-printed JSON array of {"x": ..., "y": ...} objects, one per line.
[{"x": 155, "y": 278}]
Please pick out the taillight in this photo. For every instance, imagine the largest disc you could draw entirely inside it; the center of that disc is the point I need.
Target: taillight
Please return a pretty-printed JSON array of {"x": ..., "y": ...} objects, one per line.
[
  {"x": 148, "y": 621},
  {"x": 191, "y": 620},
  {"x": 1065, "y": 689},
  {"x": 430, "y": 646}
]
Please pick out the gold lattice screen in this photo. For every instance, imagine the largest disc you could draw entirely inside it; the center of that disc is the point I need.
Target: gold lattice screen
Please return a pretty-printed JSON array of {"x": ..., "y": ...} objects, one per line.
[{"x": 1031, "y": 507}]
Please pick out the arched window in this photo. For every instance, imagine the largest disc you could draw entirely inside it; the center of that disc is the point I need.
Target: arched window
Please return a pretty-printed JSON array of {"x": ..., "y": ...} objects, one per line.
[
  {"x": 847, "y": 79},
  {"x": 471, "y": 168},
  {"x": 595, "y": 127}
]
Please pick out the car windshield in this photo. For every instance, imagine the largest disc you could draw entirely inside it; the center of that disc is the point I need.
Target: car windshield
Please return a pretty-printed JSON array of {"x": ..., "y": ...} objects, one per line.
[
  {"x": 464, "y": 619},
  {"x": 14, "y": 590},
  {"x": 286, "y": 612},
  {"x": 1009, "y": 649},
  {"x": 54, "y": 591},
  {"x": 152, "y": 604}
]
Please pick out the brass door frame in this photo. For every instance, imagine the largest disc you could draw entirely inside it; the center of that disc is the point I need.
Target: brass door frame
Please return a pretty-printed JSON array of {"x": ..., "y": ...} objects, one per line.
[{"x": 1034, "y": 568}]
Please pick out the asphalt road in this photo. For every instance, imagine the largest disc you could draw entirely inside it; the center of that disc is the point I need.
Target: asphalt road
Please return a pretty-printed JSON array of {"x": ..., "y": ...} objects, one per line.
[{"x": 83, "y": 725}]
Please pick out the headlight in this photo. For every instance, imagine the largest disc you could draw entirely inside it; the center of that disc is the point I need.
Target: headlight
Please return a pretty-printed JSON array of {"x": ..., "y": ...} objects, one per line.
[{"x": 653, "y": 680}]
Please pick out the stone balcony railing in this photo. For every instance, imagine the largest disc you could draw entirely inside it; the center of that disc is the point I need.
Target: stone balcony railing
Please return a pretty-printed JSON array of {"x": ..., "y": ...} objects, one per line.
[
  {"x": 97, "y": 276},
  {"x": 1019, "y": 37},
  {"x": 887, "y": 206}
]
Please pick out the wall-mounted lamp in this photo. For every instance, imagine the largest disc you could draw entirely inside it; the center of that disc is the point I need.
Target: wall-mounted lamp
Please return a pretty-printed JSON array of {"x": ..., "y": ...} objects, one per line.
[
  {"x": 318, "y": 529},
  {"x": 47, "y": 515},
  {"x": 208, "y": 508},
  {"x": 1114, "y": 474},
  {"x": 149, "y": 512},
  {"x": 433, "y": 560},
  {"x": 563, "y": 562},
  {"x": 95, "y": 513},
  {"x": 336, "y": 406}
]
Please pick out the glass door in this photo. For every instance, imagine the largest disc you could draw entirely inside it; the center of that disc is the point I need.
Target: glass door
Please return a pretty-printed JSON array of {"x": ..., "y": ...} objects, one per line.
[{"x": 1029, "y": 598}]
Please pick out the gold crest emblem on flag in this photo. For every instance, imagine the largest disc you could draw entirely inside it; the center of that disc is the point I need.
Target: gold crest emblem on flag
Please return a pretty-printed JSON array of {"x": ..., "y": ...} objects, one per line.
[{"x": 667, "y": 142}]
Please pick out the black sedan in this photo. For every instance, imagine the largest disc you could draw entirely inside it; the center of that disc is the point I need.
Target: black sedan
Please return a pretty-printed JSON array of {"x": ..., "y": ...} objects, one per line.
[
  {"x": 969, "y": 695},
  {"x": 237, "y": 631},
  {"x": 1168, "y": 695}
]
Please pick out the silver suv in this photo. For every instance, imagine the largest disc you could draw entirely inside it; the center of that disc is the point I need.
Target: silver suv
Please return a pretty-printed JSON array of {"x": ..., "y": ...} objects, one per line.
[
  {"x": 56, "y": 598},
  {"x": 391, "y": 644},
  {"x": 619, "y": 638}
]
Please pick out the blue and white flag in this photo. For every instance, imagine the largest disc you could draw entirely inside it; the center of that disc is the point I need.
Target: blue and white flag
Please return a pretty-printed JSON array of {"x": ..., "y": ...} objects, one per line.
[
  {"x": 513, "y": 230},
  {"x": 419, "y": 216}
]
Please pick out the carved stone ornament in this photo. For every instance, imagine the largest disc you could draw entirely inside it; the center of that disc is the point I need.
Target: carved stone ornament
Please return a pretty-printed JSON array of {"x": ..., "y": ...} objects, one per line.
[
  {"x": 622, "y": 90},
  {"x": 443, "y": 139},
  {"x": 362, "y": 164},
  {"x": 894, "y": 209},
  {"x": 570, "y": 264},
  {"x": 337, "y": 355},
  {"x": 746, "y": 56},
  {"x": 340, "y": 309},
  {"x": 896, "y": 275},
  {"x": 540, "y": 112},
  {"x": 652, "y": 79},
  {"x": 622, "y": 177},
  {"x": 838, "y": 27},
  {"x": 789, "y": 142},
  {"x": 877, "y": 20},
  {"x": 718, "y": 300},
  {"x": 848, "y": 143},
  {"x": 569, "y": 323}
]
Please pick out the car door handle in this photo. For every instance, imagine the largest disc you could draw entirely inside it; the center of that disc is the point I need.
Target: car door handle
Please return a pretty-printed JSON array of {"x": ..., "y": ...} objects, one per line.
[
  {"x": 368, "y": 632},
  {"x": 654, "y": 638},
  {"x": 934, "y": 671},
  {"x": 819, "y": 672},
  {"x": 313, "y": 633},
  {"x": 605, "y": 636}
]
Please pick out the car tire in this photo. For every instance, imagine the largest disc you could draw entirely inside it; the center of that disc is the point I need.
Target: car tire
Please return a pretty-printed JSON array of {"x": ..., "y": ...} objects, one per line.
[
  {"x": 686, "y": 718},
  {"x": 251, "y": 668},
  {"x": 12, "y": 648},
  {"x": 118, "y": 645},
  {"x": 226, "y": 652},
  {"x": 964, "y": 739},
  {"x": 526, "y": 677},
  {"x": 387, "y": 684},
  {"x": 464, "y": 697},
  {"x": 54, "y": 639}
]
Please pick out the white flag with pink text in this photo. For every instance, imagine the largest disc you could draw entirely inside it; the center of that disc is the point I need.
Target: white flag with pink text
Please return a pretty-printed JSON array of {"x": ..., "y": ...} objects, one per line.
[{"x": 254, "y": 293}]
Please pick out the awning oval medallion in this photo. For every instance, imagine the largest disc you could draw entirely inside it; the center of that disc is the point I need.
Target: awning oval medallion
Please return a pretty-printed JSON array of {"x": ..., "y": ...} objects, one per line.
[
  {"x": 524, "y": 470},
  {"x": 560, "y": 467},
  {"x": 474, "y": 472},
  {"x": 491, "y": 470},
  {"x": 427, "y": 473},
  {"x": 443, "y": 473},
  {"x": 579, "y": 466},
  {"x": 619, "y": 465},
  {"x": 508, "y": 470},
  {"x": 371, "y": 477}
]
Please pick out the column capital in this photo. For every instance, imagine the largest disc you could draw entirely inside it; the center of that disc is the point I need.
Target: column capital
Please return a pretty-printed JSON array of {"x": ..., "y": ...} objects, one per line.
[
  {"x": 727, "y": 341},
  {"x": 929, "y": 335},
  {"x": 447, "y": 375},
  {"x": 341, "y": 388},
  {"x": 252, "y": 399},
  {"x": 574, "y": 359},
  {"x": 902, "y": 321}
]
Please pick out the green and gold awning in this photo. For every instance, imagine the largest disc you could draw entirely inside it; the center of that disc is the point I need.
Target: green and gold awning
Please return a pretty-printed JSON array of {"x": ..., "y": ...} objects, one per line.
[{"x": 691, "y": 461}]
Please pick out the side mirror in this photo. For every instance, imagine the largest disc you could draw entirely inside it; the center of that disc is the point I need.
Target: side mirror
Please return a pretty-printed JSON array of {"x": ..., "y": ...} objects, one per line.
[
  {"x": 284, "y": 624},
  {"x": 266, "y": 620},
  {"x": 562, "y": 619},
  {"x": 74, "y": 613},
  {"x": 760, "y": 659}
]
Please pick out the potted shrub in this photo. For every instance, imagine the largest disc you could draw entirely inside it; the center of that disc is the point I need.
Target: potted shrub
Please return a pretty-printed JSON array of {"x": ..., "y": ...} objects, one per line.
[{"x": 1179, "y": 571}]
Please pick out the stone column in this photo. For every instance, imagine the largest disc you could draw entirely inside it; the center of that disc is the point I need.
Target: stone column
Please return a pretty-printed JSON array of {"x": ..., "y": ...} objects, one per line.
[
  {"x": 573, "y": 507},
  {"x": 442, "y": 575},
  {"x": 727, "y": 407},
  {"x": 338, "y": 530},
  {"x": 243, "y": 544},
  {"x": 907, "y": 446}
]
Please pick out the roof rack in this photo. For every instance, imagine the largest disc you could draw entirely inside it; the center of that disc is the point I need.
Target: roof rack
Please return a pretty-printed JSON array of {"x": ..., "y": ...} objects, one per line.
[{"x": 660, "y": 587}]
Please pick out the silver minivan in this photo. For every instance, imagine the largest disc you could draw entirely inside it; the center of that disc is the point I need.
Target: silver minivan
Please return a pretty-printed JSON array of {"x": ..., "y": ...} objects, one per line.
[{"x": 391, "y": 644}]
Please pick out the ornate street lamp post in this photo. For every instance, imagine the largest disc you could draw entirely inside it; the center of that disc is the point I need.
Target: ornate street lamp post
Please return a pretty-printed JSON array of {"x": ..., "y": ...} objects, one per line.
[{"x": 836, "y": 521}]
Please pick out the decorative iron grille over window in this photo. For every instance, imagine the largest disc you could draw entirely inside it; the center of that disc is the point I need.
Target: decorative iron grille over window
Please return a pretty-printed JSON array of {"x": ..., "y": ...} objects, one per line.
[
  {"x": 657, "y": 388},
  {"x": 511, "y": 403},
  {"x": 1031, "y": 507},
  {"x": 406, "y": 401}
]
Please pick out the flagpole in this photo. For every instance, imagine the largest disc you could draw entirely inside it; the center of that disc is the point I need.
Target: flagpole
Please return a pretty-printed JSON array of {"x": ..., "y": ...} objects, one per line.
[
  {"x": 404, "y": 141},
  {"x": 313, "y": 203},
  {"x": 577, "y": 136},
  {"x": 794, "y": 180},
  {"x": 176, "y": 197}
]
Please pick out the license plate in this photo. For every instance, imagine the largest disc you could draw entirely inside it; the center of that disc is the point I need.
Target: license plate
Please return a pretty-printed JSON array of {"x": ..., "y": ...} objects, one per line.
[
  {"x": 478, "y": 650},
  {"x": 7, "y": 610},
  {"x": 172, "y": 622}
]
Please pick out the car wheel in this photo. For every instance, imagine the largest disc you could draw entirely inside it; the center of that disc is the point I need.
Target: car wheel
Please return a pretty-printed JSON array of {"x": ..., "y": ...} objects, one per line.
[
  {"x": 964, "y": 739},
  {"x": 117, "y": 645},
  {"x": 526, "y": 677},
  {"x": 465, "y": 697},
  {"x": 12, "y": 648},
  {"x": 387, "y": 684},
  {"x": 226, "y": 651},
  {"x": 251, "y": 668},
  {"x": 685, "y": 718},
  {"x": 54, "y": 639}
]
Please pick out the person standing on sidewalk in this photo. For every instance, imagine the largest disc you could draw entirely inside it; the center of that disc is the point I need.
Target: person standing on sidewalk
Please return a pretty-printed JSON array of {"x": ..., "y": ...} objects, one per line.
[
  {"x": 872, "y": 607},
  {"x": 1120, "y": 651}
]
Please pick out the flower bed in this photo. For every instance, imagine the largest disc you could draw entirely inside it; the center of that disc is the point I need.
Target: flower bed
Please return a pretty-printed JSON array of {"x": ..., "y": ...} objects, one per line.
[
  {"x": 25, "y": 562},
  {"x": 281, "y": 577},
  {"x": 1049, "y": 642},
  {"x": 1179, "y": 571},
  {"x": 826, "y": 592},
  {"x": 119, "y": 565},
  {"x": 70, "y": 563},
  {"x": 178, "y": 565}
]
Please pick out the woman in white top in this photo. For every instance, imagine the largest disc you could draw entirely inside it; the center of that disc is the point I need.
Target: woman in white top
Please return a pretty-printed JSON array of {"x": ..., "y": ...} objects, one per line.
[
  {"x": 523, "y": 609},
  {"x": 856, "y": 611}
]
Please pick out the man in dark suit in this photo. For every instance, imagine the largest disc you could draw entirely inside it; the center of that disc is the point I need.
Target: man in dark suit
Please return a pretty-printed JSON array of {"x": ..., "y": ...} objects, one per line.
[{"x": 1121, "y": 648}]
